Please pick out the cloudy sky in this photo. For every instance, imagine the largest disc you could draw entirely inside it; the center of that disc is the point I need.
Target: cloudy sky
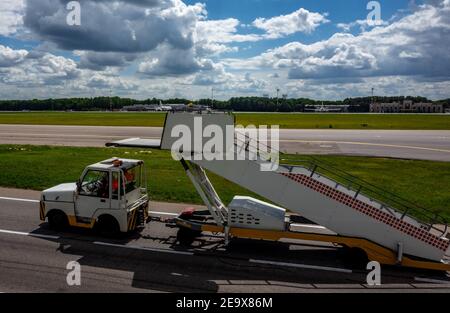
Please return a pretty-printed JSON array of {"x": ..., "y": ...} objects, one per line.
[{"x": 319, "y": 49}]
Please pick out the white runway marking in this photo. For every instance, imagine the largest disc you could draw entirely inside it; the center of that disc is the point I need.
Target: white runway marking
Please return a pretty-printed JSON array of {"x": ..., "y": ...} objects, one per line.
[
  {"x": 37, "y": 201},
  {"x": 19, "y": 199},
  {"x": 314, "y": 267},
  {"x": 12, "y": 232},
  {"x": 158, "y": 212},
  {"x": 364, "y": 144},
  {"x": 142, "y": 248}
]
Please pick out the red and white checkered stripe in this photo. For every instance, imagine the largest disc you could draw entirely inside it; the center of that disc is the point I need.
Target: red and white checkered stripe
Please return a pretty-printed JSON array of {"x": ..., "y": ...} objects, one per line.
[{"x": 371, "y": 211}]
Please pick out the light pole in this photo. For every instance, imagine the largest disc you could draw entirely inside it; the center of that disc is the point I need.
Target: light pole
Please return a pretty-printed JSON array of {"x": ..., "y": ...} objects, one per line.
[
  {"x": 110, "y": 100},
  {"x": 278, "y": 91}
]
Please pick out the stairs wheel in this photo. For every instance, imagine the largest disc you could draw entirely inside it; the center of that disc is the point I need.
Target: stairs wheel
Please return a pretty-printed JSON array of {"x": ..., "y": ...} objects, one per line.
[
  {"x": 186, "y": 236},
  {"x": 355, "y": 257}
]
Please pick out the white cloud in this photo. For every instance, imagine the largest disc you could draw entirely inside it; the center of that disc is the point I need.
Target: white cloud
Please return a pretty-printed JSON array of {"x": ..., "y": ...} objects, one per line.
[
  {"x": 416, "y": 45},
  {"x": 363, "y": 25},
  {"x": 120, "y": 30},
  {"x": 11, "y": 16},
  {"x": 212, "y": 48},
  {"x": 51, "y": 64},
  {"x": 10, "y": 57},
  {"x": 43, "y": 70},
  {"x": 169, "y": 61},
  {"x": 386, "y": 86},
  {"x": 109, "y": 82},
  {"x": 301, "y": 20},
  {"x": 226, "y": 30},
  {"x": 410, "y": 55},
  {"x": 222, "y": 31},
  {"x": 123, "y": 26},
  {"x": 42, "y": 74},
  {"x": 214, "y": 77}
]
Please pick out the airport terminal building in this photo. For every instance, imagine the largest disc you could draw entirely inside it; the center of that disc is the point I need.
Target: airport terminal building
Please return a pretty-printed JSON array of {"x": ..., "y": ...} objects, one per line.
[{"x": 406, "y": 107}]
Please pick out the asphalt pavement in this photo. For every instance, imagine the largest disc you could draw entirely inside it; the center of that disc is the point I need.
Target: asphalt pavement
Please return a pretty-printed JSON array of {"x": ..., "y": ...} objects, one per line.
[
  {"x": 407, "y": 144},
  {"x": 33, "y": 258}
]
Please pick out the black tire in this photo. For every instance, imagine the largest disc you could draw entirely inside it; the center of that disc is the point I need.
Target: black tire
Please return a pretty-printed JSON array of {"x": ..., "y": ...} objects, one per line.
[
  {"x": 57, "y": 220},
  {"x": 107, "y": 226},
  {"x": 186, "y": 236},
  {"x": 356, "y": 257}
]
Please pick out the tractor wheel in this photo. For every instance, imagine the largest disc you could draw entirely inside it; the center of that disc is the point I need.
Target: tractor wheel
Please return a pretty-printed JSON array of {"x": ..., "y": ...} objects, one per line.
[
  {"x": 57, "y": 220},
  {"x": 107, "y": 226}
]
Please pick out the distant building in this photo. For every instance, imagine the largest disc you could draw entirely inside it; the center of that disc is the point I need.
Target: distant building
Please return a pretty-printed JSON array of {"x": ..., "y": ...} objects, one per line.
[{"x": 407, "y": 106}]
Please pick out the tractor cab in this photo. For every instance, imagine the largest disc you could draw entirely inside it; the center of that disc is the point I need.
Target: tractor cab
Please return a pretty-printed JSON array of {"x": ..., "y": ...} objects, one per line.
[
  {"x": 111, "y": 194},
  {"x": 117, "y": 183}
]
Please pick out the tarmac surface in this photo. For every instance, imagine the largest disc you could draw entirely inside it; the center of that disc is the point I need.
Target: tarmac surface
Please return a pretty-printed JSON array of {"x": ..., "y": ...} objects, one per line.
[
  {"x": 33, "y": 258},
  {"x": 408, "y": 144}
]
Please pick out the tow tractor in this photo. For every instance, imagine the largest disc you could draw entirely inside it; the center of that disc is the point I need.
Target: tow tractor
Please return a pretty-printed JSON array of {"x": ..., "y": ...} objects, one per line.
[{"x": 110, "y": 196}]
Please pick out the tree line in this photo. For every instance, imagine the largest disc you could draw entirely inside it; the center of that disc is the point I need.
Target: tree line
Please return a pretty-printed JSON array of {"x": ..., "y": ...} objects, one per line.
[{"x": 238, "y": 104}]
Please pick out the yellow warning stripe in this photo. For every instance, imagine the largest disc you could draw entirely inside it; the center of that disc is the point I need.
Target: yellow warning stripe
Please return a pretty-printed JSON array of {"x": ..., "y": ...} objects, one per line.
[
  {"x": 133, "y": 225},
  {"x": 130, "y": 217},
  {"x": 132, "y": 220},
  {"x": 73, "y": 222},
  {"x": 374, "y": 251},
  {"x": 42, "y": 210}
]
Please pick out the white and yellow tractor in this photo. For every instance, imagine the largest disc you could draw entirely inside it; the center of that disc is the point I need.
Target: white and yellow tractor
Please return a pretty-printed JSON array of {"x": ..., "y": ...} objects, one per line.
[{"x": 110, "y": 196}]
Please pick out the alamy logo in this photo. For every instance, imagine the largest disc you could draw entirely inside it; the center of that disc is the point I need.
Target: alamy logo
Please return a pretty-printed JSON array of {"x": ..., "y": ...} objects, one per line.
[
  {"x": 73, "y": 278},
  {"x": 73, "y": 18},
  {"x": 214, "y": 142},
  {"x": 374, "y": 16},
  {"x": 374, "y": 276}
]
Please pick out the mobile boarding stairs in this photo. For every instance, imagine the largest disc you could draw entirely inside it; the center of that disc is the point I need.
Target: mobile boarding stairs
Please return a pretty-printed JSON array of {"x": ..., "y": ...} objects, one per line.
[{"x": 360, "y": 214}]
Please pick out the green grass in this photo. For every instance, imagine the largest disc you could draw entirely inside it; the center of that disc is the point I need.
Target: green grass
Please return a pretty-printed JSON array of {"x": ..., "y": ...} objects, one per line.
[
  {"x": 84, "y": 118},
  {"x": 347, "y": 121},
  {"x": 40, "y": 167},
  {"x": 426, "y": 183},
  {"x": 294, "y": 120}
]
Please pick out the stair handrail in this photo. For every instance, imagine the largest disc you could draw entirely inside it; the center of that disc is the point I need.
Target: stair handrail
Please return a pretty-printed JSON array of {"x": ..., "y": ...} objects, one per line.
[
  {"x": 427, "y": 218},
  {"x": 400, "y": 205}
]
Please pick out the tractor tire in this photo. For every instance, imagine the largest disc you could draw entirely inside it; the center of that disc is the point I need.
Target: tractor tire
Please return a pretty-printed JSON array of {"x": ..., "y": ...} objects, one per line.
[
  {"x": 57, "y": 220},
  {"x": 107, "y": 226}
]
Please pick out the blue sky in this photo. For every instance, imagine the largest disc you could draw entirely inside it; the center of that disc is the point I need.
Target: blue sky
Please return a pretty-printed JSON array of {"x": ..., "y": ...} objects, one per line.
[
  {"x": 320, "y": 49},
  {"x": 340, "y": 11}
]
